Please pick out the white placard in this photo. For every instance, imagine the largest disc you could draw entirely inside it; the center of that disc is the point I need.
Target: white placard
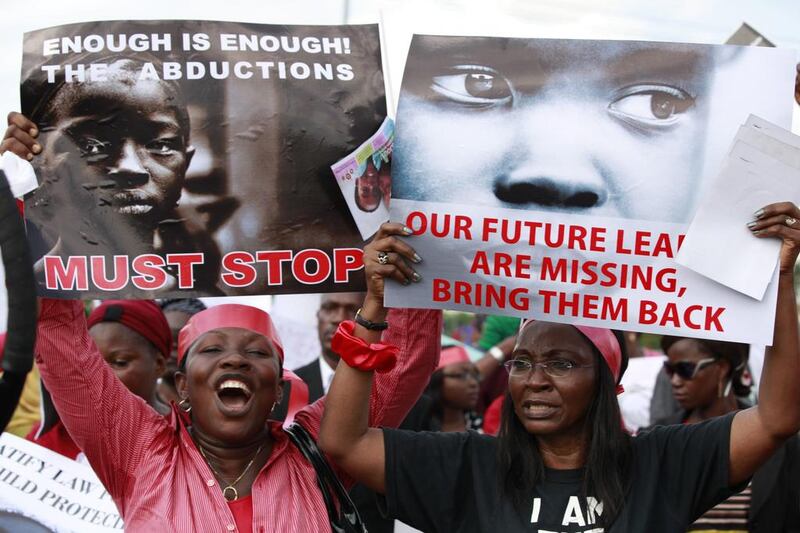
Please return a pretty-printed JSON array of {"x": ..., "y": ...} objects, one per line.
[{"x": 39, "y": 485}]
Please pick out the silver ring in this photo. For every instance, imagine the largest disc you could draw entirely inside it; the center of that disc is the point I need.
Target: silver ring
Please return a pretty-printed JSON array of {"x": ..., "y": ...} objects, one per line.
[
  {"x": 383, "y": 258},
  {"x": 791, "y": 221}
]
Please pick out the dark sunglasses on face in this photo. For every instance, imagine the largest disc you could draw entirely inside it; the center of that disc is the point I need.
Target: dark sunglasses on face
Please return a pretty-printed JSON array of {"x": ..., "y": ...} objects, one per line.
[{"x": 687, "y": 369}]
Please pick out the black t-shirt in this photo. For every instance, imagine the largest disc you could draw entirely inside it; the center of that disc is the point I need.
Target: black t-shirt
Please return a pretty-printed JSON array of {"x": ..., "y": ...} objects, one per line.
[{"x": 447, "y": 482}]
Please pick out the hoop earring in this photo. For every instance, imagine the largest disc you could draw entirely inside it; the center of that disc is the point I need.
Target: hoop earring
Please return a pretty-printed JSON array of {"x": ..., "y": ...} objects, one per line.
[{"x": 183, "y": 405}]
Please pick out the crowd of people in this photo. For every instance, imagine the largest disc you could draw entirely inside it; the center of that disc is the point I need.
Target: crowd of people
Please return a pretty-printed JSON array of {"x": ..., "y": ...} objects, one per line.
[{"x": 192, "y": 423}]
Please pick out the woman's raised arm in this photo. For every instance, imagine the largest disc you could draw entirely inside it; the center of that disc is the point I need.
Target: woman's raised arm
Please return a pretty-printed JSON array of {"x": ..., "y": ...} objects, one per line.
[
  {"x": 757, "y": 432},
  {"x": 345, "y": 434}
]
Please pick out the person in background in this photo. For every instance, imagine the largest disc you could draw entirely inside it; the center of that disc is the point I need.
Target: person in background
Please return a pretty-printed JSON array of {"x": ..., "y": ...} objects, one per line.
[
  {"x": 333, "y": 309},
  {"x": 177, "y": 311},
  {"x": 663, "y": 404},
  {"x": 498, "y": 336},
  {"x": 707, "y": 377},
  {"x": 636, "y": 348},
  {"x": 317, "y": 374},
  {"x": 453, "y": 393},
  {"x": 467, "y": 328},
  {"x": 640, "y": 377},
  {"x": 134, "y": 340},
  {"x": 710, "y": 378}
]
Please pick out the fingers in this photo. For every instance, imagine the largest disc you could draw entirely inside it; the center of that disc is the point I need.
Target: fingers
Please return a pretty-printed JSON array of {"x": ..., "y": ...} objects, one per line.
[
  {"x": 20, "y": 137},
  {"x": 779, "y": 230},
  {"x": 406, "y": 273},
  {"x": 388, "y": 257},
  {"x": 391, "y": 228},
  {"x": 24, "y": 143},
  {"x": 22, "y": 122},
  {"x": 393, "y": 244},
  {"x": 786, "y": 220},
  {"x": 780, "y": 208},
  {"x": 777, "y": 220},
  {"x": 14, "y": 146},
  {"x": 390, "y": 271}
]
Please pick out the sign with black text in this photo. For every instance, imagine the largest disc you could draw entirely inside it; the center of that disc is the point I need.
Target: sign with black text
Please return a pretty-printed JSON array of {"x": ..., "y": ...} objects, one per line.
[{"x": 42, "y": 488}]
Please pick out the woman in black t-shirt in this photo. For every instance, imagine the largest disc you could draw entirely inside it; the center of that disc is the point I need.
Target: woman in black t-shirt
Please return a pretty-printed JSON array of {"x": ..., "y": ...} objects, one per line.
[{"x": 562, "y": 461}]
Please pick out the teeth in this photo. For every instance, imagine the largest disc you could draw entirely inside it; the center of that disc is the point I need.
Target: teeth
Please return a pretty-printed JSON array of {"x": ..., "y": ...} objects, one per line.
[
  {"x": 234, "y": 384},
  {"x": 538, "y": 408}
]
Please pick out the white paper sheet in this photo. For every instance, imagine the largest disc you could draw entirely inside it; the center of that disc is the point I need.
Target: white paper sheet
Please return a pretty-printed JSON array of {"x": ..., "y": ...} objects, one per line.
[
  {"x": 769, "y": 145},
  {"x": 718, "y": 244},
  {"x": 772, "y": 130}
]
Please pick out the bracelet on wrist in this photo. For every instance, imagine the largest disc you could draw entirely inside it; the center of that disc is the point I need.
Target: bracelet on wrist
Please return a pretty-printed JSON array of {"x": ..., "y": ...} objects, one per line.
[{"x": 369, "y": 324}]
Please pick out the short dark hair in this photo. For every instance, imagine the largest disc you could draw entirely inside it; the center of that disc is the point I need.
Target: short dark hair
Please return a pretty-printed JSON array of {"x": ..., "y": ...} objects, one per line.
[{"x": 190, "y": 306}]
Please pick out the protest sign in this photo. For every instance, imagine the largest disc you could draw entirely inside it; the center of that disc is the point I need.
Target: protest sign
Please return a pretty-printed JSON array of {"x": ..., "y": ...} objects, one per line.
[
  {"x": 42, "y": 488},
  {"x": 555, "y": 178},
  {"x": 366, "y": 181},
  {"x": 189, "y": 158}
]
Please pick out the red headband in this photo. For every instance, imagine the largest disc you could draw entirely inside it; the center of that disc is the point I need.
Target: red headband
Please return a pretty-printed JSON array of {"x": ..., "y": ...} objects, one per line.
[
  {"x": 228, "y": 316},
  {"x": 451, "y": 355},
  {"x": 246, "y": 317},
  {"x": 606, "y": 343},
  {"x": 142, "y": 316}
]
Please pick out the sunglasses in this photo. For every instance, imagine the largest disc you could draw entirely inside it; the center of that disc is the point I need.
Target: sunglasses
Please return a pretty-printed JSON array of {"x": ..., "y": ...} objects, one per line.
[{"x": 687, "y": 369}]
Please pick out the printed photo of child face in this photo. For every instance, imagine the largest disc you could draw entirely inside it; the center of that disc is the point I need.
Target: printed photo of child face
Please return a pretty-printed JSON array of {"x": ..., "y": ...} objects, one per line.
[{"x": 601, "y": 128}]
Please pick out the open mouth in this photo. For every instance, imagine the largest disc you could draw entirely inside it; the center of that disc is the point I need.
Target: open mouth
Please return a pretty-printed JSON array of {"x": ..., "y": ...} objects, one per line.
[
  {"x": 537, "y": 410},
  {"x": 234, "y": 395}
]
